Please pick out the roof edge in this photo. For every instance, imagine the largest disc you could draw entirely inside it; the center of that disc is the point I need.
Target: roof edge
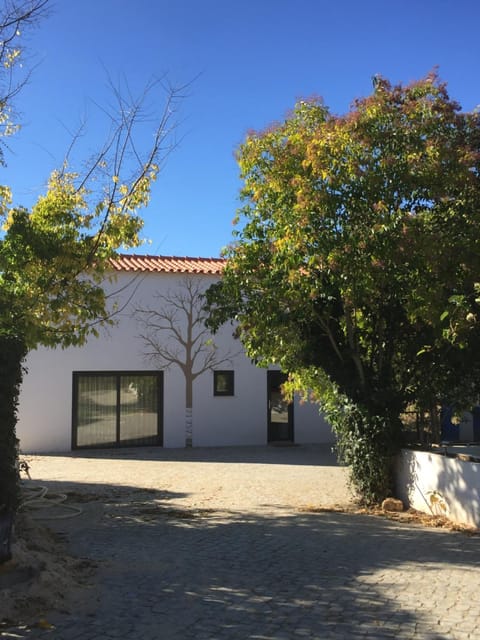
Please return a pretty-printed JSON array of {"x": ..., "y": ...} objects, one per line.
[{"x": 167, "y": 264}]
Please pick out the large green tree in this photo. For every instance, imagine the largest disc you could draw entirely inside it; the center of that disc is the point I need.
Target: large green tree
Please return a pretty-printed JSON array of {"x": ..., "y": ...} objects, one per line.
[
  {"x": 356, "y": 263},
  {"x": 54, "y": 257}
]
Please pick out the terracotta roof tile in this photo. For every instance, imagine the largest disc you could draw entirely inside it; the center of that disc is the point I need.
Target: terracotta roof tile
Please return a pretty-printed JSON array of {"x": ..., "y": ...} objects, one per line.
[{"x": 167, "y": 264}]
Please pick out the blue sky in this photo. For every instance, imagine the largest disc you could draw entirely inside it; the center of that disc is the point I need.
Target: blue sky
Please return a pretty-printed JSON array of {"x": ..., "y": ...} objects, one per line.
[{"x": 249, "y": 61}]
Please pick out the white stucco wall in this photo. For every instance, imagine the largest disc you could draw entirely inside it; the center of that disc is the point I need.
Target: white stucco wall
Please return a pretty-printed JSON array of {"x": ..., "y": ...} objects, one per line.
[
  {"x": 45, "y": 409},
  {"x": 308, "y": 420},
  {"x": 439, "y": 485}
]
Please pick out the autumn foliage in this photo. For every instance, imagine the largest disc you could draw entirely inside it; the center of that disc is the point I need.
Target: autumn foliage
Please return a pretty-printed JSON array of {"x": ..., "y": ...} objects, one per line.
[{"x": 356, "y": 262}]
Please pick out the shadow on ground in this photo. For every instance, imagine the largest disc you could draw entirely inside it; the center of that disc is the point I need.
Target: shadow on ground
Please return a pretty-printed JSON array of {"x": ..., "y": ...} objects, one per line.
[
  {"x": 314, "y": 454},
  {"x": 202, "y": 574}
]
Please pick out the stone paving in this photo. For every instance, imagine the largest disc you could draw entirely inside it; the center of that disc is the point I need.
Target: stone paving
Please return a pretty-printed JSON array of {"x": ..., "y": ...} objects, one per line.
[{"x": 172, "y": 571}]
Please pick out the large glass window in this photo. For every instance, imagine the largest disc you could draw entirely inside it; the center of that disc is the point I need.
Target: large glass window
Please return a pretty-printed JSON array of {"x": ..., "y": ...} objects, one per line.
[{"x": 117, "y": 409}]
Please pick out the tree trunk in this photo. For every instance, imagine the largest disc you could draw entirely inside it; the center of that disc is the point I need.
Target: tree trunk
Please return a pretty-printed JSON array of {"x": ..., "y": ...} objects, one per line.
[
  {"x": 188, "y": 427},
  {"x": 436, "y": 429},
  {"x": 188, "y": 410},
  {"x": 12, "y": 354}
]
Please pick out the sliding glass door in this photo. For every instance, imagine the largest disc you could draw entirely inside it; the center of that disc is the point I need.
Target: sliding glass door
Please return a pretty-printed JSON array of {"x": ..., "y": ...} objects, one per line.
[{"x": 117, "y": 409}]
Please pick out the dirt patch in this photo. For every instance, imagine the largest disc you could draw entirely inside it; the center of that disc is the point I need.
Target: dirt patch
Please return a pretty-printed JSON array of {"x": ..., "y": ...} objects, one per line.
[
  {"x": 409, "y": 516},
  {"x": 40, "y": 577}
]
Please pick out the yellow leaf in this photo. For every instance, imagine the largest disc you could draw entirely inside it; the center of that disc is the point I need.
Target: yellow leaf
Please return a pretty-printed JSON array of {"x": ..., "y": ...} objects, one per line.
[{"x": 44, "y": 624}]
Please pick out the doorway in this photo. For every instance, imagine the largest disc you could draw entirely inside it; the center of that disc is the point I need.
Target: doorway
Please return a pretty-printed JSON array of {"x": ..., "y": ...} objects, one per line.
[{"x": 280, "y": 411}]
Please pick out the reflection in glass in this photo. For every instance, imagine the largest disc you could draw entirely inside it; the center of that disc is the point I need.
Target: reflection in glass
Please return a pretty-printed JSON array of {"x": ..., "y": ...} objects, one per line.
[
  {"x": 278, "y": 407},
  {"x": 96, "y": 417},
  {"x": 138, "y": 407},
  {"x": 223, "y": 383},
  {"x": 280, "y": 418},
  {"x": 116, "y": 409}
]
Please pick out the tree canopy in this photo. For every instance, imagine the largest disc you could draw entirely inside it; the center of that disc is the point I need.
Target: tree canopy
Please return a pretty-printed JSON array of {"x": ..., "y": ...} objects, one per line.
[
  {"x": 54, "y": 257},
  {"x": 356, "y": 263}
]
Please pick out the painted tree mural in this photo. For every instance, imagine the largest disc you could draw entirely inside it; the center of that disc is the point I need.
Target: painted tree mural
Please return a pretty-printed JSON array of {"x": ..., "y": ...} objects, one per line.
[{"x": 174, "y": 334}]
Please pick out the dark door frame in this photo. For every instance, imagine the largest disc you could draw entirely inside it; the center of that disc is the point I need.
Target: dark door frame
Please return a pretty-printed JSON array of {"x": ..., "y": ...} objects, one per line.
[
  {"x": 274, "y": 434},
  {"x": 156, "y": 440}
]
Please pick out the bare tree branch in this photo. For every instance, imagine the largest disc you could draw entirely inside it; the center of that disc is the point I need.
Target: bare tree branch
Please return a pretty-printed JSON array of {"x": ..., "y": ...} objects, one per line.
[
  {"x": 174, "y": 331},
  {"x": 16, "y": 16},
  {"x": 118, "y": 177}
]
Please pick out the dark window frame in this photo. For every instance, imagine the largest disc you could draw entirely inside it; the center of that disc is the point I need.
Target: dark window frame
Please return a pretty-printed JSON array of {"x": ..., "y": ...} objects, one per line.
[
  {"x": 230, "y": 376},
  {"x": 118, "y": 375}
]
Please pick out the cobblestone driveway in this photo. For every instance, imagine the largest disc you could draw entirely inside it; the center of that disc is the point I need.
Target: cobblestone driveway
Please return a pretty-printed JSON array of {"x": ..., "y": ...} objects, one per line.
[{"x": 176, "y": 567}]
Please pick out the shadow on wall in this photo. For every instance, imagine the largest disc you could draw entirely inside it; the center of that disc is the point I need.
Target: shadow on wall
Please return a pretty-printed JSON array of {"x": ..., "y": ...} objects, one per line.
[{"x": 438, "y": 483}]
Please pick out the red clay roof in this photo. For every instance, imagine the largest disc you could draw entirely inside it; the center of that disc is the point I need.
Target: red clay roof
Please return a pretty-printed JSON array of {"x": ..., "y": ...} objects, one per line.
[{"x": 167, "y": 264}]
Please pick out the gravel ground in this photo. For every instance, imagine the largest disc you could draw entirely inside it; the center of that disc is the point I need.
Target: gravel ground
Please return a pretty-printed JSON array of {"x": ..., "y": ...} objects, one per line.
[{"x": 240, "y": 478}]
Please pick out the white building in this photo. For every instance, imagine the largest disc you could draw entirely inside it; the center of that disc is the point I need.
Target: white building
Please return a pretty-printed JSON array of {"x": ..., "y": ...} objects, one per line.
[{"x": 108, "y": 394}]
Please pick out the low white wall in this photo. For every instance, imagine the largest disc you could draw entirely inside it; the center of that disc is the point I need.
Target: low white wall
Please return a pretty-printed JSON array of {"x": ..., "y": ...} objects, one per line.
[{"x": 439, "y": 485}]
